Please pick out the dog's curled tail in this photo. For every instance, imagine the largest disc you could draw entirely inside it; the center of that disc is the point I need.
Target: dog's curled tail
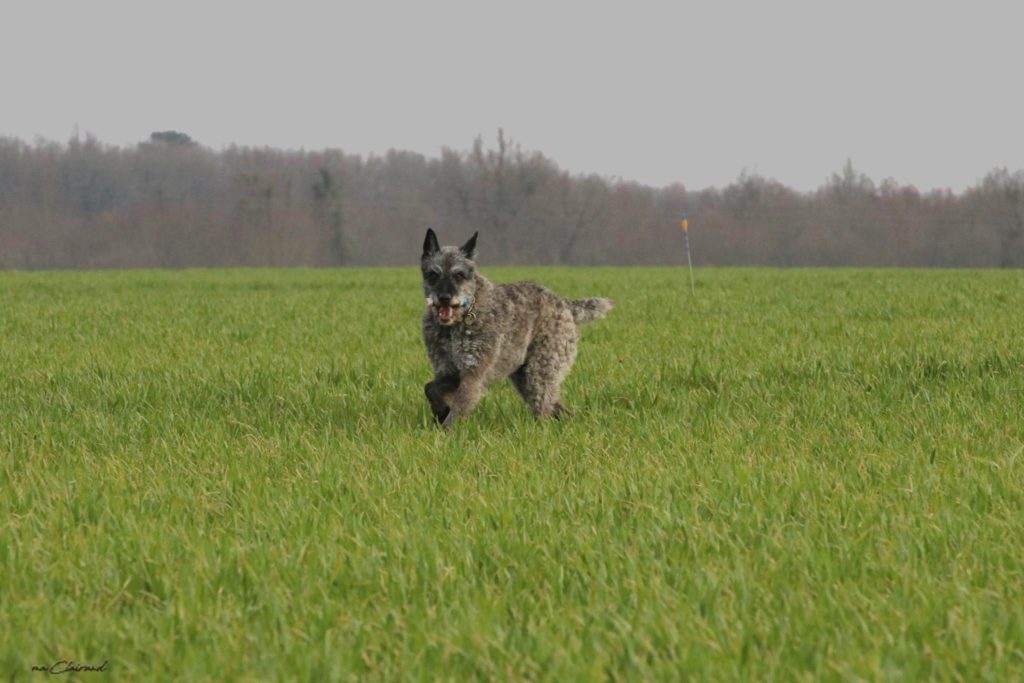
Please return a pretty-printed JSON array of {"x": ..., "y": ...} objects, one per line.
[{"x": 585, "y": 310}]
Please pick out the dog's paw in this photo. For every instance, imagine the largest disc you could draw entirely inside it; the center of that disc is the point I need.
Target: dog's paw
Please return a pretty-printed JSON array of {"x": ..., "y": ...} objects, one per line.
[
  {"x": 448, "y": 421},
  {"x": 441, "y": 416}
]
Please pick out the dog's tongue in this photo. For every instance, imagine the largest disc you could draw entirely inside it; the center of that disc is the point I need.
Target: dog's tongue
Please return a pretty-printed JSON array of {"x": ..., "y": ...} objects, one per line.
[{"x": 445, "y": 313}]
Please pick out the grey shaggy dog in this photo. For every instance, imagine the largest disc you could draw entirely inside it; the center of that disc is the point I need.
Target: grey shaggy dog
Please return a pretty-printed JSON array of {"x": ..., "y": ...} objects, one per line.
[{"x": 478, "y": 333}]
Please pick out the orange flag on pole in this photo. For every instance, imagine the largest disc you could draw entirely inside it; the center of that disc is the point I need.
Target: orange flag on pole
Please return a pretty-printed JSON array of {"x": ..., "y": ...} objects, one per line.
[{"x": 685, "y": 225}]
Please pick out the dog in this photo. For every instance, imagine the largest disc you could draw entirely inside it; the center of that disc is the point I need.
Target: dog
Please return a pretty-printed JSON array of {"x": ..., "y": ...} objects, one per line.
[{"x": 478, "y": 333}]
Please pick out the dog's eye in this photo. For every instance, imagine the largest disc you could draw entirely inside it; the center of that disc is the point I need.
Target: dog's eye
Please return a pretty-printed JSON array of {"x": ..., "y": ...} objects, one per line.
[
  {"x": 431, "y": 277},
  {"x": 459, "y": 277}
]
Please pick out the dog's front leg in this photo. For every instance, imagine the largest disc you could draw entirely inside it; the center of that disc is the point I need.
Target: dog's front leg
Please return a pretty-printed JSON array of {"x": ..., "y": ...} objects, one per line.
[
  {"x": 469, "y": 393},
  {"x": 437, "y": 390}
]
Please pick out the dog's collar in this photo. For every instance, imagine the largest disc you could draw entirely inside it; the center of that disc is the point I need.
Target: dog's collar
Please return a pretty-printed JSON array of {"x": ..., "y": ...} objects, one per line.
[{"x": 469, "y": 317}]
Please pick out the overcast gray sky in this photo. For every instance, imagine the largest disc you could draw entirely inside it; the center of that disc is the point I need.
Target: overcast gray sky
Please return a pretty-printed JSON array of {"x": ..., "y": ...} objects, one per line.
[{"x": 692, "y": 92}]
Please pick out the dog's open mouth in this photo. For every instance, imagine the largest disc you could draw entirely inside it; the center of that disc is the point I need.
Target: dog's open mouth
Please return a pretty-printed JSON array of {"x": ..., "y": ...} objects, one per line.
[{"x": 446, "y": 314}]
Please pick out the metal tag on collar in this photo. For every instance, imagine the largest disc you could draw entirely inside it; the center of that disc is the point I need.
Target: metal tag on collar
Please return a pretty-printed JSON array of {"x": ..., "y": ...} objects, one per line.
[{"x": 469, "y": 317}]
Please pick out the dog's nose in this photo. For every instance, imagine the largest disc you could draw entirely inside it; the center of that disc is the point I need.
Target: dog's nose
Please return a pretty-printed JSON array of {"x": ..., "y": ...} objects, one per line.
[{"x": 444, "y": 300}]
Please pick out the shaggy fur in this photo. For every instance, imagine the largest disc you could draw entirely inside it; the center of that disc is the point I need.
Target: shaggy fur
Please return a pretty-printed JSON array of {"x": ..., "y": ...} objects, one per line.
[{"x": 478, "y": 333}]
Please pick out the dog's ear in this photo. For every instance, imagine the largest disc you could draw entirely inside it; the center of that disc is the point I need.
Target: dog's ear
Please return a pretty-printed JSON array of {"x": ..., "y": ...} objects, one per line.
[
  {"x": 469, "y": 248},
  {"x": 430, "y": 245}
]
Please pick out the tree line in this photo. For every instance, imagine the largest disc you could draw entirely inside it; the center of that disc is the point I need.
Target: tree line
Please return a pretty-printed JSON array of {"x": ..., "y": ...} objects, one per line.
[{"x": 171, "y": 203}]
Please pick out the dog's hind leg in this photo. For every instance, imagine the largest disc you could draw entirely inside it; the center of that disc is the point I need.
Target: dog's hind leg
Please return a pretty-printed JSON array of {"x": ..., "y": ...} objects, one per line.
[
  {"x": 558, "y": 411},
  {"x": 531, "y": 394},
  {"x": 437, "y": 390},
  {"x": 548, "y": 361},
  {"x": 540, "y": 392}
]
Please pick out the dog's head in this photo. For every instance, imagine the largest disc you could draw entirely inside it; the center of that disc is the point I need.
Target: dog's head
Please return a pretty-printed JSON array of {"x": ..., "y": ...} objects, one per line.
[{"x": 448, "y": 279}]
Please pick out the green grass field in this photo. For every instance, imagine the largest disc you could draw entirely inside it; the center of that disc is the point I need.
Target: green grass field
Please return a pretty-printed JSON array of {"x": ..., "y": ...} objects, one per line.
[{"x": 231, "y": 475}]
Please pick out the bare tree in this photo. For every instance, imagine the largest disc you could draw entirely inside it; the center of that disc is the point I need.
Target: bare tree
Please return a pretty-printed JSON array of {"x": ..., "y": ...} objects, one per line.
[{"x": 169, "y": 202}]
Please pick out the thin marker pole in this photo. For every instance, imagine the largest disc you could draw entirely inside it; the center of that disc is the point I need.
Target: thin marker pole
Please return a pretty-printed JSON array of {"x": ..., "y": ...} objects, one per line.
[{"x": 685, "y": 225}]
